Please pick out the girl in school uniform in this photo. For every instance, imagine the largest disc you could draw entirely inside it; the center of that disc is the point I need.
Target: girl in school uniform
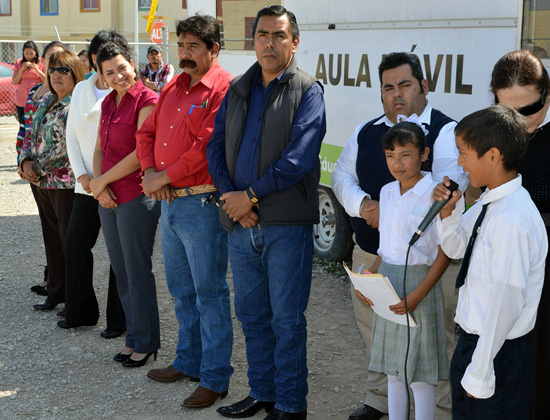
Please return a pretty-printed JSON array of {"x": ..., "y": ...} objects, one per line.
[{"x": 403, "y": 205}]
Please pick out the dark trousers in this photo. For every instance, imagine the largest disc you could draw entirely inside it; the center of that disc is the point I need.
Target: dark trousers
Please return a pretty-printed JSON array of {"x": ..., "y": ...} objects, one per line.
[
  {"x": 540, "y": 338},
  {"x": 129, "y": 232},
  {"x": 34, "y": 190},
  {"x": 513, "y": 372},
  {"x": 55, "y": 206},
  {"x": 80, "y": 300},
  {"x": 19, "y": 112}
]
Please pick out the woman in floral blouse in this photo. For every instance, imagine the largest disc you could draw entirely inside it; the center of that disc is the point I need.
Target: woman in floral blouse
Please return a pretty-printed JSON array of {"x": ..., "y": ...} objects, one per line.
[
  {"x": 36, "y": 93},
  {"x": 46, "y": 164}
]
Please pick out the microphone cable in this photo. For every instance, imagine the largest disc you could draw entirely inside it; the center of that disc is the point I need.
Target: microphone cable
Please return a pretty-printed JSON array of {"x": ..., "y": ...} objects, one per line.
[{"x": 408, "y": 332}]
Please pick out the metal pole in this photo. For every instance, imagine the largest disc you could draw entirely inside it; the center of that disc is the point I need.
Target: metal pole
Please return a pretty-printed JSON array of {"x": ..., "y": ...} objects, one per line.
[{"x": 164, "y": 37}]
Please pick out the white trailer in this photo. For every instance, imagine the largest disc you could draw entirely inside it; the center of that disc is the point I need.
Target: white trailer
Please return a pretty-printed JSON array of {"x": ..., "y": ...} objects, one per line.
[{"x": 343, "y": 41}]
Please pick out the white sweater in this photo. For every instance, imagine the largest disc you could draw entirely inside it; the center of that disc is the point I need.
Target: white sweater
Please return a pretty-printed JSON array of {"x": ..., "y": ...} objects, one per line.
[{"x": 82, "y": 125}]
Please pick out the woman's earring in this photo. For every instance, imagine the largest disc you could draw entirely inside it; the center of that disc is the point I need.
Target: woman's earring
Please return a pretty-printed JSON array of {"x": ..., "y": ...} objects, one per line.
[{"x": 105, "y": 85}]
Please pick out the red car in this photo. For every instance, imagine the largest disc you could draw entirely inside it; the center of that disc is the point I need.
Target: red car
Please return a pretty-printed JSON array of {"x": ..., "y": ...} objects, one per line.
[{"x": 7, "y": 90}]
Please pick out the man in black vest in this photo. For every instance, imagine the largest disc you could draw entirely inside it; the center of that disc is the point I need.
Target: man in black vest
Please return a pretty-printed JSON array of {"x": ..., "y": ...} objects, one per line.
[
  {"x": 359, "y": 175},
  {"x": 263, "y": 158}
]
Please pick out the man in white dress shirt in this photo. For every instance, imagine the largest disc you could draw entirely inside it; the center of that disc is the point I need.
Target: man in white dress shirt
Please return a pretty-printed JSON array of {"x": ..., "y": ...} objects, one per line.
[{"x": 359, "y": 175}]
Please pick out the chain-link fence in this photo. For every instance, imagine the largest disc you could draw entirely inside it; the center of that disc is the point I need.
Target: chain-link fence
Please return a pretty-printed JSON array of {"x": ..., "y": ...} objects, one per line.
[{"x": 11, "y": 50}]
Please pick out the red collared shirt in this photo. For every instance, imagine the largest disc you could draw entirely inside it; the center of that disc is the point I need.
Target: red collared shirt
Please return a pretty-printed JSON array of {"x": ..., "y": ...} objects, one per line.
[
  {"x": 117, "y": 133},
  {"x": 175, "y": 135}
]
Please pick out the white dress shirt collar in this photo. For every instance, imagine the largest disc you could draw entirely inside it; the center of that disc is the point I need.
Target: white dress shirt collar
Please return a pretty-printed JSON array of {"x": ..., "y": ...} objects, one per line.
[
  {"x": 488, "y": 196},
  {"x": 425, "y": 117}
]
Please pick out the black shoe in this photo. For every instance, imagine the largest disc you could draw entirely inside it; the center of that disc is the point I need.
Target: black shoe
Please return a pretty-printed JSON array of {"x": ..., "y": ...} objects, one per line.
[
  {"x": 121, "y": 357},
  {"x": 44, "y": 306},
  {"x": 39, "y": 290},
  {"x": 138, "y": 363},
  {"x": 366, "y": 413},
  {"x": 245, "y": 408},
  {"x": 62, "y": 313},
  {"x": 111, "y": 333},
  {"x": 65, "y": 325},
  {"x": 277, "y": 414}
]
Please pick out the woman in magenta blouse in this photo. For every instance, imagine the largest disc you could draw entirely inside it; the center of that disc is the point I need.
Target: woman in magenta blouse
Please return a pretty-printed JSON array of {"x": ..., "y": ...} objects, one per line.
[{"x": 128, "y": 218}]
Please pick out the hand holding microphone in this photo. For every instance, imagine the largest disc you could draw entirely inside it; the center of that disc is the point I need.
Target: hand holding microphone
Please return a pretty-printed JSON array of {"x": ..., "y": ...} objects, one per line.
[{"x": 444, "y": 193}]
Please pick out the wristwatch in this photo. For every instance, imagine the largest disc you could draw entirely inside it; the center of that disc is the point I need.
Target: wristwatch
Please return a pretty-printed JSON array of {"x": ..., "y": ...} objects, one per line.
[{"x": 252, "y": 197}]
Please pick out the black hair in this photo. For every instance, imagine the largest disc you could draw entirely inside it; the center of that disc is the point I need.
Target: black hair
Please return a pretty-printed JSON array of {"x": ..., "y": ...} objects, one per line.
[
  {"x": 204, "y": 27},
  {"x": 111, "y": 50},
  {"x": 101, "y": 38},
  {"x": 397, "y": 59},
  {"x": 51, "y": 45},
  {"x": 83, "y": 52},
  {"x": 278, "y": 11},
  {"x": 498, "y": 126},
  {"x": 404, "y": 133},
  {"x": 32, "y": 46}
]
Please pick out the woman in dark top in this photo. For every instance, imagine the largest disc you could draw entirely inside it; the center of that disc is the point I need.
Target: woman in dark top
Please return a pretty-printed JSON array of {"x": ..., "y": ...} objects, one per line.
[{"x": 520, "y": 80}]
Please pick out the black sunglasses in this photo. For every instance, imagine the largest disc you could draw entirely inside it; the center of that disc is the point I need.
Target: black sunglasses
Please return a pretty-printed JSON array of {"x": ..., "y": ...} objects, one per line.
[
  {"x": 528, "y": 110},
  {"x": 62, "y": 70}
]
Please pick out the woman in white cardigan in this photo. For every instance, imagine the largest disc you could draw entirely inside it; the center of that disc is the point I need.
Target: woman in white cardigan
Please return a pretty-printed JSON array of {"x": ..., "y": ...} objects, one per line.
[{"x": 81, "y": 307}]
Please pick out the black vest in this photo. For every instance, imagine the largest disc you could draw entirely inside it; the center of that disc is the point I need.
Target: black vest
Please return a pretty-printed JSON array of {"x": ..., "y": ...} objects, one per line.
[
  {"x": 373, "y": 172},
  {"x": 298, "y": 204}
]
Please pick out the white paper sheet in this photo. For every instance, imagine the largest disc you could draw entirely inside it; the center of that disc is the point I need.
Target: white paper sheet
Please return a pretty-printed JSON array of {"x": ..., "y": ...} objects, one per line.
[{"x": 382, "y": 294}]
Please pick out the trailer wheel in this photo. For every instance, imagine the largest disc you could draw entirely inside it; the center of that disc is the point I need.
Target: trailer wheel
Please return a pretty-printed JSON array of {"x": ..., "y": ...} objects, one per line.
[{"x": 332, "y": 236}]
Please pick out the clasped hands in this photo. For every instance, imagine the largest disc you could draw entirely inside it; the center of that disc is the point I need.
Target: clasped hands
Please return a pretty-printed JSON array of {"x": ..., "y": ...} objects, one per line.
[
  {"x": 239, "y": 208},
  {"x": 101, "y": 191},
  {"x": 370, "y": 211}
]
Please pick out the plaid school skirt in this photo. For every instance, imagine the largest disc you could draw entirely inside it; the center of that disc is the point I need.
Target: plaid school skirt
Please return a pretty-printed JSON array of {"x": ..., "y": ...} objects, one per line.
[{"x": 428, "y": 361}]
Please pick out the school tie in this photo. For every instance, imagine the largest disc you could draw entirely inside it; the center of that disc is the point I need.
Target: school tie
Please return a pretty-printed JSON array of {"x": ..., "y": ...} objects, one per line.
[{"x": 467, "y": 255}]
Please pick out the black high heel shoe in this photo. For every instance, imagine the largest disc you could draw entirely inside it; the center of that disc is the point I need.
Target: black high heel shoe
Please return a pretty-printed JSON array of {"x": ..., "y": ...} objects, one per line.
[
  {"x": 138, "y": 363},
  {"x": 121, "y": 357}
]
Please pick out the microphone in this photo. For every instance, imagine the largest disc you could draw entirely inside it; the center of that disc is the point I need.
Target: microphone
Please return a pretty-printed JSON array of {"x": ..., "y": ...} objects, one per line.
[{"x": 436, "y": 208}]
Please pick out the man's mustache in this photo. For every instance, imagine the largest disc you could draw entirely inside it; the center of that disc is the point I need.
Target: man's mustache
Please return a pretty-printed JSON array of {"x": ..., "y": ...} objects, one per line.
[{"x": 187, "y": 63}]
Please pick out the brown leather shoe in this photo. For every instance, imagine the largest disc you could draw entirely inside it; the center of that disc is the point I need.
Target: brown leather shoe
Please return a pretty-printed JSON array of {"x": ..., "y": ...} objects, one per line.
[
  {"x": 169, "y": 374},
  {"x": 202, "y": 397}
]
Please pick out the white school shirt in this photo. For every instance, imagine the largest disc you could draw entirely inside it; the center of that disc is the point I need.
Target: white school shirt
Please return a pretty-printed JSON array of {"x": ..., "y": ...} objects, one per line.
[
  {"x": 501, "y": 293},
  {"x": 400, "y": 216},
  {"x": 82, "y": 127},
  {"x": 345, "y": 183}
]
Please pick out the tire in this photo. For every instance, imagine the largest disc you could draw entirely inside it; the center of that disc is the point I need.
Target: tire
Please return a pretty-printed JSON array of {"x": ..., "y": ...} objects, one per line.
[{"x": 332, "y": 236}]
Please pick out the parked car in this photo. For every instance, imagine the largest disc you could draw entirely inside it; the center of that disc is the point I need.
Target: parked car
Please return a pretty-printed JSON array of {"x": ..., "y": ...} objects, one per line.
[{"x": 7, "y": 90}]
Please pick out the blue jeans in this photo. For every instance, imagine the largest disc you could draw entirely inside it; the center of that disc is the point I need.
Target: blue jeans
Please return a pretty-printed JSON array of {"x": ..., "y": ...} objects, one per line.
[
  {"x": 194, "y": 246},
  {"x": 272, "y": 279}
]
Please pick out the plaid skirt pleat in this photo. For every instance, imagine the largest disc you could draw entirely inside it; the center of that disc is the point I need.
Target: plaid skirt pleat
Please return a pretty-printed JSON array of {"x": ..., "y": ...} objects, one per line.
[{"x": 428, "y": 361}]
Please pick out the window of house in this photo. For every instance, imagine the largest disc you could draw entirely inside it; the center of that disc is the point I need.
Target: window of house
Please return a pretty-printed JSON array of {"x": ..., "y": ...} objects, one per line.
[
  {"x": 89, "y": 5},
  {"x": 5, "y": 7},
  {"x": 49, "y": 7},
  {"x": 144, "y": 4}
]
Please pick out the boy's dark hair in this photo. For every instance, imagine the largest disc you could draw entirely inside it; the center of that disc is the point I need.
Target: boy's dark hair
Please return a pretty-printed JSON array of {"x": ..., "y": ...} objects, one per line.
[
  {"x": 397, "y": 59},
  {"x": 402, "y": 134},
  {"x": 111, "y": 50},
  {"x": 52, "y": 44},
  {"x": 204, "y": 27},
  {"x": 31, "y": 45},
  {"x": 101, "y": 38},
  {"x": 278, "y": 11},
  {"x": 498, "y": 126}
]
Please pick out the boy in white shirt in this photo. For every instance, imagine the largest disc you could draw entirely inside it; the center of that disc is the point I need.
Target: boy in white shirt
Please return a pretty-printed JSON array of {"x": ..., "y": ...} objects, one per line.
[{"x": 501, "y": 278}]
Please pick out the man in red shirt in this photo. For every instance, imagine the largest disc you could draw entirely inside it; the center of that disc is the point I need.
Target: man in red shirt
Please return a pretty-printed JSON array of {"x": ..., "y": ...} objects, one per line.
[{"x": 171, "y": 149}]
